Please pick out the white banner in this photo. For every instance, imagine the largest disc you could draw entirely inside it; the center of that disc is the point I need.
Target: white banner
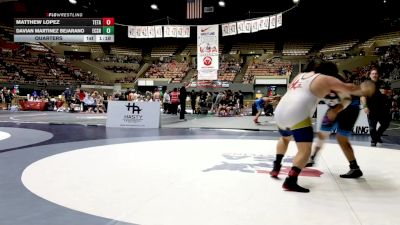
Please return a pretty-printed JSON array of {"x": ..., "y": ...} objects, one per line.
[
  {"x": 179, "y": 32},
  {"x": 232, "y": 29},
  {"x": 361, "y": 126},
  {"x": 145, "y": 32},
  {"x": 126, "y": 114},
  {"x": 247, "y": 26},
  {"x": 266, "y": 22},
  {"x": 174, "y": 31},
  {"x": 279, "y": 20},
  {"x": 207, "y": 52},
  {"x": 131, "y": 32},
  {"x": 186, "y": 31},
  {"x": 138, "y": 32},
  {"x": 254, "y": 26},
  {"x": 260, "y": 23},
  {"x": 159, "y": 31},
  {"x": 225, "y": 29},
  {"x": 240, "y": 27},
  {"x": 272, "y": 22},
  {"x": 167, "y": 31},
  {"x": 151, "y": 31}
]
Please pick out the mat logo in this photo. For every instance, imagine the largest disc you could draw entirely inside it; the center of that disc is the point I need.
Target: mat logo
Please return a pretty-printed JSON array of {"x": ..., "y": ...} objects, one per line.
[
  {"x": 134, "y": 108},
  {"x": 254, "y": 163}
]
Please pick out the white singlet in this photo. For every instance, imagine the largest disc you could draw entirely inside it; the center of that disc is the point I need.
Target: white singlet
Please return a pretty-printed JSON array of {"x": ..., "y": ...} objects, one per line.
[{"x": 297, "y": 106}]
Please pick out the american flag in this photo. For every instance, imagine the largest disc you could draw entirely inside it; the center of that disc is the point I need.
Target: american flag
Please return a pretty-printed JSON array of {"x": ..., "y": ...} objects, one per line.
[{"x": 194, "y": 9}]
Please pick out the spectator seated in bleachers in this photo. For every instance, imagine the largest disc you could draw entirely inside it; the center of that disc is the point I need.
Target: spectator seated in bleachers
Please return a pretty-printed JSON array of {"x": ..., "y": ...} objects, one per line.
[
  {"x": 275, "y": 67},
  {"x": 174, "y": 70}
]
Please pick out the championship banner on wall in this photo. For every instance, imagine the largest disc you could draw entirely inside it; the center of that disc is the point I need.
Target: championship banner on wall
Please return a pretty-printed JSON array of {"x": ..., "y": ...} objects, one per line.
[
  {"x": 272, "y": 22},
  {"x": 157, "y": 31},
  {"x": 225, "y": 29},
  {"x": 279, "y": 20},
  {"x": 240, "y": 27},
  {"x": 229, "y": 29},
  {"x": 254, "y": 26},
  {"x": 207, "y": 52}
]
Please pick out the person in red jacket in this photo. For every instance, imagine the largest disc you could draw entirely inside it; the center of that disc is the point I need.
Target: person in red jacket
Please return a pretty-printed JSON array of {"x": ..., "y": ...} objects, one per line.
[{"x": 174, "y": 101}]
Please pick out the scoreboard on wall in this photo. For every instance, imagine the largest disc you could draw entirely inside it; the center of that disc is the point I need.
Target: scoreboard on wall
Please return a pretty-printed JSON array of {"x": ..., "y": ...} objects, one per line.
[{"x": 64, "y": 30}]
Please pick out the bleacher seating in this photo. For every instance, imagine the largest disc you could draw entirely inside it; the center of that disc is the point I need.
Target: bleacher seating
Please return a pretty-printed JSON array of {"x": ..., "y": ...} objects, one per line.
[
  {"x": 119, "y": 50},
  {"x": 190, "y": 49},
  {"x": 43, "y": 69},
  {"x": 164, "y": 51},
  {"x": 267, "y": 68},
  {"x": 253, "y": 48},
  {"x": 176, "y": 71},
  {"x": 96, "y": 48},
  {"x": 339, "y": 46},
  {"x": 383, "y": 39},
  {"x": 296, "y": 48}
]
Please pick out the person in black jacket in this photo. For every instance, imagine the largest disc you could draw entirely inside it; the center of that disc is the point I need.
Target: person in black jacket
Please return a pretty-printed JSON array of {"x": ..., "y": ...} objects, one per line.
[
  {"x": 193, "y": 97},
  {"x": 182, "y": 100},
  {"x": 377, "y": 107}
]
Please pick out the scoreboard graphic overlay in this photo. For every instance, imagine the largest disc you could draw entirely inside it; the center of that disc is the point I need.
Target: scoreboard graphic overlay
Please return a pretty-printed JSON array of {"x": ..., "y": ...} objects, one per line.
[{"x": 64, "y": 30}]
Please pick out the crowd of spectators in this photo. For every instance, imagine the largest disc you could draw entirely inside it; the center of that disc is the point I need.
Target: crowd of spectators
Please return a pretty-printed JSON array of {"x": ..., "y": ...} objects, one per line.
[
  {"x": 47, "y": 69},
  {"x": 273, "y": 67}
]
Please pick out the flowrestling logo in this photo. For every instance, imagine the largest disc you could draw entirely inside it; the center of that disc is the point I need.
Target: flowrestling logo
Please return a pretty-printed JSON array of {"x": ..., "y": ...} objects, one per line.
[{"x": 253, "y": 163}]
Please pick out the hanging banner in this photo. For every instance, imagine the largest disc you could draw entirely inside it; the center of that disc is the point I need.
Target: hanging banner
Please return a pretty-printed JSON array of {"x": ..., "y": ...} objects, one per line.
[
  {"x": 254, "y": 26},
  {"x": 260, "y": 23},
  {"x": 272, "y": 22},
  {"x": 151, "y": 32},
  {"x": 266, "y": 22},
  {"x": 145, "y": 32},
  {"x": 247, "y": 26},
  {"x": 279, "y": 20},
  {"x": 232, "y": 29},
  {"x": 179, "y": 32},
  {"x": 240, "y": 27},
  {"x": 225, "y": 29},
  {"x": 167, "y": 31},
  {"x": 159, "y": 31},
  {"x": 174, "y": 31},
  {"x": 207, "y": 52},
  {"x": 186, "y": 31},
  {"x": 131, "y": 32}
]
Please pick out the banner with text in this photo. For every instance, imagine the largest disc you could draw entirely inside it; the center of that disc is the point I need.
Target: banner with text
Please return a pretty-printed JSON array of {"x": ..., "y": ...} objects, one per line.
[
  {"x": 130, "y": 114},
  {"x": 158, "y": 31},
  {"x": 207, "y": 52}
]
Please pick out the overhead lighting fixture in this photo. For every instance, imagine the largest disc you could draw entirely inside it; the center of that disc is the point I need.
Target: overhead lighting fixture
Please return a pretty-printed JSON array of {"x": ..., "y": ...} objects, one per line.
[
  {"x": 73, "y": 2},
  {"x": 154, "y": 7},
  {"x": 296, "y": 1},
  {"x": 384, "y": 1},
  {"x": 221, "y": 3}
]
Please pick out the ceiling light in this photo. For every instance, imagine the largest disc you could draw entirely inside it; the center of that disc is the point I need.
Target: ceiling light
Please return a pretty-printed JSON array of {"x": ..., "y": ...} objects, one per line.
[
  {"x": 221, "y": 3},
  {"x": 296, "y": 1},
  {"x": 73, "y": 2},
  {"x": 154, "y": 7}
]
